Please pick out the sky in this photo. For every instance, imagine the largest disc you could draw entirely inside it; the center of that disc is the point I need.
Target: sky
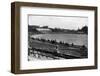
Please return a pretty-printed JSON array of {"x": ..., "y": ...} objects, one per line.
[{"x": 64, "y": 22}]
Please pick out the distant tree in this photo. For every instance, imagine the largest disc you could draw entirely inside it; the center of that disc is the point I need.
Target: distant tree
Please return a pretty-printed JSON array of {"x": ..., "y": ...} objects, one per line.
[
  {"x": 32, "y": 29},
  {"x": 85, "y": 29},
  {"x": 72, "y": 44},
  {"x": 67, "y": 44},
  {"x": 60, "y": 42},
  {"x": 44, "y": 26},
  {"x": 56, "y": 29}
]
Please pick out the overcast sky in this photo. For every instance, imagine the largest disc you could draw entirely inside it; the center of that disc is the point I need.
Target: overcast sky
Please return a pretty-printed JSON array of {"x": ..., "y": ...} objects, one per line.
[{"x": 66, "y": 22}]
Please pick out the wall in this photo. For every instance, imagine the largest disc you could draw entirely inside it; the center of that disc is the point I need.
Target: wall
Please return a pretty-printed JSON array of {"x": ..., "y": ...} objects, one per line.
[{"x": 5, "y": 42}]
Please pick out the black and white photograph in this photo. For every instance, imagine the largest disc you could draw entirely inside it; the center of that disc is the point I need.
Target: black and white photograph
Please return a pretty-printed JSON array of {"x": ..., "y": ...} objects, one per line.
[{"x": 55, "y": 37}]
